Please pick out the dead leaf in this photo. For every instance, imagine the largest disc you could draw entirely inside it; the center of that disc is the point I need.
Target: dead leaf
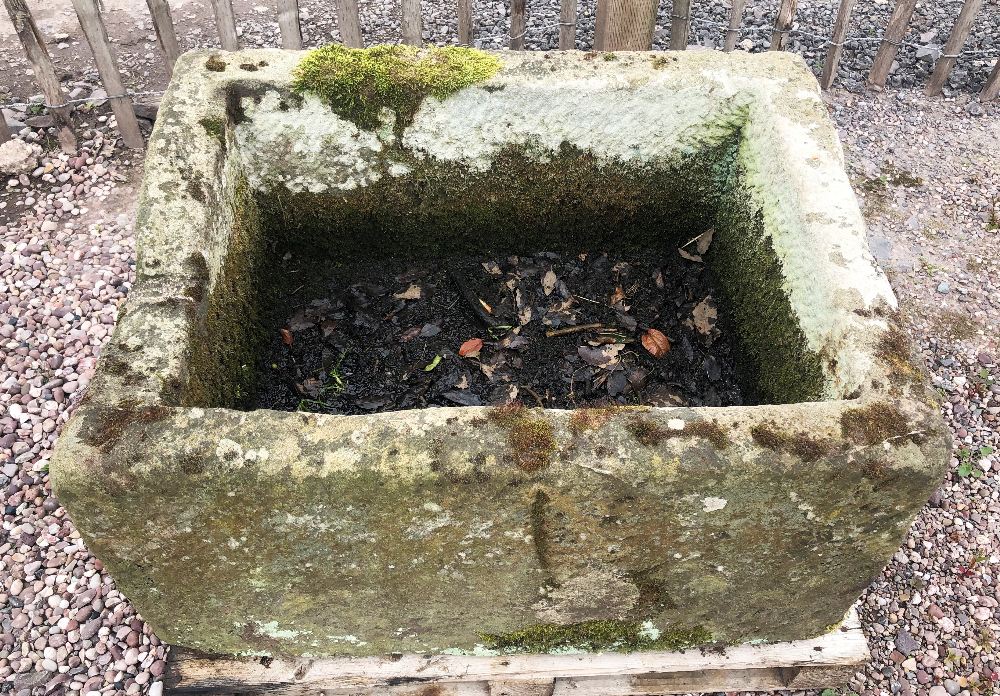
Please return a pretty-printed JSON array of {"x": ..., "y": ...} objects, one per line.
[
  {"x": 656, "y": 343},
  {"x": 689, "y": 257},
  {"x": 414, "y": 292},
  {"x": 602, "y": 356},
  {"x": 492, "y": 267},
  {"x": 705, "y": 315},
  {"x": 410, "y": 334},
  {"x": 658, "y": 278},
  {"x": 471, "y": 348},
  {"x": 705, "y": 240},
  {"x": 617, "y": 296},
  {"x": 486, "y": 306},
  {"x": 327, "y": 326},
  {"x": 549, "y": 281},
  {"x": 286, "y": 337}
]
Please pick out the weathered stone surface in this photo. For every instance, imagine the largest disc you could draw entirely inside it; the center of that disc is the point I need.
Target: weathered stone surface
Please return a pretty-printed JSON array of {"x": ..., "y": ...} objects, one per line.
[
  {"x": 18, "y": 157},
  {"x": 480, "y": 529}
]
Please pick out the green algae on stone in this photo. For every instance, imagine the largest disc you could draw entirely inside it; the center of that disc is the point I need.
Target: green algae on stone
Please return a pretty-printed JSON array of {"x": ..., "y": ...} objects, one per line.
[
  {"x": 359, "y": 82},
  {"x": 592, "y": 636}
]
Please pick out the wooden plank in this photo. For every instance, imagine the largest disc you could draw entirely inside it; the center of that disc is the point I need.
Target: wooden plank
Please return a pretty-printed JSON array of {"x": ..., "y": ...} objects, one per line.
[
  {"x": 953, "y": 46},
  {"x": 5, "y": 133},
  {"x": 349, "y": 21},
  {"x": 288, "y": 23},
  {"x": 163, "y": 24},
  {"x": 992, "y": 87},
  {"x": 894, "y": 34},
  {"x": 517, "y": 24},
  {"x": 735, "y": 22},
  {"x": 625, "y": 25},
  {"x": 411, "y": 22},
  {"x": 465, "y": 22},
  {"x": 225, "y": 22},
  {"x": 522, "y": 687},
  {"x": 836, "y": 43},
  {"x": 567, "y": 25},
  {"x": 44, "y": 72},
  {"x": 762, "y": 679},
  {"x": 782, "y": 23},
  {"x": 107, "y": 67},
  {"x": 838, "y": 652},
  {"x": 680, "y": 24}
]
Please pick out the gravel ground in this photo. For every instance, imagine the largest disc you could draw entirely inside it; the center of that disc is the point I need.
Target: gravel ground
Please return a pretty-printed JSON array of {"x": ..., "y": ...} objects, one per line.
[{"x": 929, "y": 177}]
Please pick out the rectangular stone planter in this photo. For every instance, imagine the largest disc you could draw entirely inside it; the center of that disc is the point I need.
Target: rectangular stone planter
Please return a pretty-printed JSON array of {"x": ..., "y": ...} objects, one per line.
[{"x": 498, "y": 530}]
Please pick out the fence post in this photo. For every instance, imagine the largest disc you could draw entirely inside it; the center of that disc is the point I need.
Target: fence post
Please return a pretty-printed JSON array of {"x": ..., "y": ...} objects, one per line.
[
  {"x": 680, "y": 23},
  {"x": 567, "y": 25},
  {"x": 836, "y": 43},
  {"x": 625, "y": 25},
  {"x": 782, "y": 23},
  {"x": 288, "y": 23},
  {"x": 517, "y": 25},
  {"x": 953, "y": 46},
  {"x": 465, "y": 22},
  {"x": 349, "y": 22},
  {"x": 107, "y": 68},
  {"x": 894, "y": 33},
  {"x": 411, "y": 21},
  {"x": 992, "y": 88},
  {"x": 41, "y": 65},
  {"x": 159, "y": 10},
  {"x": 735, "y": 21},
  {"x": 225, "y": 21}
]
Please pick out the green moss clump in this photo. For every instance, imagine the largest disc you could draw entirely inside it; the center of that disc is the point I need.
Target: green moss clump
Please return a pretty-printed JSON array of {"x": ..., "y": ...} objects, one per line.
[
  {"x": 617, "y": 636},
  {"x": 103, "y": 429},
  {"x": 359, "y": 82},
  {"x": 646, "y": 431},
  {"x": 532, "y": 440},
  {"x": 650, "y": 434},
  {"x": 806, "y": 448},
  {"x": 215, "y": 64},
  {"x": 874, "y": 423}
]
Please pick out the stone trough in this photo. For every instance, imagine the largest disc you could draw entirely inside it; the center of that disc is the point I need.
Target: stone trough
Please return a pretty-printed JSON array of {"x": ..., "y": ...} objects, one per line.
[{"x": 484, "y": 530}]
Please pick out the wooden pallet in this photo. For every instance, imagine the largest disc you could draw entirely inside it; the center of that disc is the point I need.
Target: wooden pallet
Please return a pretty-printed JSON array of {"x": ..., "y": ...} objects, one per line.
[{"x": 826, "y": 661}]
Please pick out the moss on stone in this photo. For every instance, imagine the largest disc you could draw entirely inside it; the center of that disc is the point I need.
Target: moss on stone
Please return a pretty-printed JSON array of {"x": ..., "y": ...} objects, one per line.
[
  {"x": 359, "y": 82},
  {"x": 874, "y": 423},
  {"x": 651, "y": 433},
  {"x": 231, "y": 314},
  {"x": 616, "y": 636},
  {"x": 215, "y": 64},
  {"x": 773, "y": 348},
  {"x": 531, "y": 438},
  {"x": 806, "y": 448},
  {"x": 582, "y": 420}
]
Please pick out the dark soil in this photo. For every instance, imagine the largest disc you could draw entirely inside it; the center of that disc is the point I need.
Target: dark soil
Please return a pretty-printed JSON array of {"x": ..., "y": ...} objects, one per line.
[{"x": 363, "y": 347}]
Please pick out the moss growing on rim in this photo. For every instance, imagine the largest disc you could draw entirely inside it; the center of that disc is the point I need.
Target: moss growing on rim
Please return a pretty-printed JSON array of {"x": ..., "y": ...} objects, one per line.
[
  {"x": 531, "y": 439},
  {"x": 617, "y": 636},
  {"x": 359, "y": 82}
]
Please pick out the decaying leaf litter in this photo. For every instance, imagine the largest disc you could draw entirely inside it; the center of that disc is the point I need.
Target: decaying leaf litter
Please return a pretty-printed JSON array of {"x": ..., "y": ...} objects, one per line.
[{"x": 559, "y": 330}]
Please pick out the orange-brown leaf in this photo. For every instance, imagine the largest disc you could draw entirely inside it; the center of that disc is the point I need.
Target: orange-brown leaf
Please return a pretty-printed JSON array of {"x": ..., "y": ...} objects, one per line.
[
  {"x": 471, "y": 348},
  {"x": 286, "y": 337},
  {"x": 656, "y": 343}
]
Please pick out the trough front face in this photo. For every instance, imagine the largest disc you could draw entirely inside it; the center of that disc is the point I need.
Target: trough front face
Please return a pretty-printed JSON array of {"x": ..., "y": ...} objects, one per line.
[{"x": 493, "y": 530}]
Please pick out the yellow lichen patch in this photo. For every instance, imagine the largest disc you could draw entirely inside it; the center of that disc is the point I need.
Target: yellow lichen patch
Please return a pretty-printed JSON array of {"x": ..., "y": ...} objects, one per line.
[{"x": 359, "y": 82}]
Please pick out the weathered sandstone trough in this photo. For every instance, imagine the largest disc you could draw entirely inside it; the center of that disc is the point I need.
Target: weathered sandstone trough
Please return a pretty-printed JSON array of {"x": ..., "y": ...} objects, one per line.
[{"x": 461, "y": 530}]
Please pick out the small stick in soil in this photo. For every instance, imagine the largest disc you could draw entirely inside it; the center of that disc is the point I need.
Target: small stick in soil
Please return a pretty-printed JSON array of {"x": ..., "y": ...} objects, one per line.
[
  {"x": 541, "y": 404},
  {"x": 551, "y": 333},
  {"x": 475, "y": 304}
]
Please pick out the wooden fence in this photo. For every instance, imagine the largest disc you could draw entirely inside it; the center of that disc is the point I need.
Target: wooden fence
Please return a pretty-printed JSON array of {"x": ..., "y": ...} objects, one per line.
[{"x": 620, "y": 25}]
